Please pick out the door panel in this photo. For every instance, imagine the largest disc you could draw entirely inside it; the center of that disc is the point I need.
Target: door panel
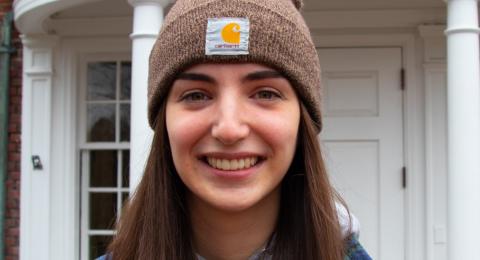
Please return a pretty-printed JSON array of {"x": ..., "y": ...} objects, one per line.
[{"x": 363, "y": 141}]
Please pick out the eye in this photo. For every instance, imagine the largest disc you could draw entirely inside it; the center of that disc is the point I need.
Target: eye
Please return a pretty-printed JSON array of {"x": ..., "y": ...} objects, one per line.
[
  {"x": 267, "y": 94},
  {"x": 194, "y": 96}
]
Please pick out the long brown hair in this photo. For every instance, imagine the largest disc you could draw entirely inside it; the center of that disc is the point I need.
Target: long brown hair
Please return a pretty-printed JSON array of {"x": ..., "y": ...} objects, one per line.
[{"x": 155, "y": 223}]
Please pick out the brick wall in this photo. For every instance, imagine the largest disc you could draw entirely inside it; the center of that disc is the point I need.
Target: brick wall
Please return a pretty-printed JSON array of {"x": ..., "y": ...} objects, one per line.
[{"x": 12, "y": 211}]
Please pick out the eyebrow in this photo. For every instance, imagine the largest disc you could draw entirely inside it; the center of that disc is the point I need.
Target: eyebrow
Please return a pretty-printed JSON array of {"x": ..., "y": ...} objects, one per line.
[
  {"x": 258, "y": 75},
  {"x": 264, "y": 74},
  {"x": 195, "y": 77}
]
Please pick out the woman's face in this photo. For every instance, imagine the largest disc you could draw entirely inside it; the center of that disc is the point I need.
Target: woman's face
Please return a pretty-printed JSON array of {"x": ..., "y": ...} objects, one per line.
[{"x": 232, "y": 129}]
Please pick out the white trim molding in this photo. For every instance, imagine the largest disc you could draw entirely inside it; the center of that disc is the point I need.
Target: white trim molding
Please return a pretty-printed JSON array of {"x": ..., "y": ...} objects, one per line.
[
  {"x": 69, "y": 88},
  {"x": 435, "y": 45},
  {"x": 38, "y": 55},
  {"x": 30, "y": 15},
  {"x": 147, "y": 19},
  {"x": 463, "y": 129},
  {"x": 435, "y": 73},
  {"x": 91, "y": 26}
]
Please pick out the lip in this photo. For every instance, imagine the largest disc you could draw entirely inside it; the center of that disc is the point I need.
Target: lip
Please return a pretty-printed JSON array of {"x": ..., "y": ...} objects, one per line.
[
  {"x": 231, "y": 175},
  {"x": 231, "y": 156}
]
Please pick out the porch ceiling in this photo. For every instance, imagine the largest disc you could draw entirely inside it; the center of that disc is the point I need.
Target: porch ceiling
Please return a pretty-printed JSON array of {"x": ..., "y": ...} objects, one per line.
[
  {"x": 58, "y": 14},
  {"x": 122, "y": 8},
  {"x": 321, "y": 5},
  {"x": 103, "y": 8}
]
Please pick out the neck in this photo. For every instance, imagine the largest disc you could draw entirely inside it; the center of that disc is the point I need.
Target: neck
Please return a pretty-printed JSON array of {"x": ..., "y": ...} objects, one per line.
[{"x": 219, "y": 234}]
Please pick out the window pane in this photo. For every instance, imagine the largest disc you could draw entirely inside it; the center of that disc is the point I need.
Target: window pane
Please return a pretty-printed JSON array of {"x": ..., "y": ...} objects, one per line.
[
  {"x": 103, "y": 168},
  {"x": 101, "y": 80},
  {"x": 126, "y": 168},
  {"x": 101, "y": 123},
  {"x": 103, "y": 207},
  {"x": 98, "y": 245},
  {"x": 126, "y": 80},
  {"x": 125, "y": 122}
]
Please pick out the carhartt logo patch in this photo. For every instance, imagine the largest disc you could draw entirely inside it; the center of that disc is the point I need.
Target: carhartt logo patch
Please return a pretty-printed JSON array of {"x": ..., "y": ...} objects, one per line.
[{"x": 227, "y": 36}]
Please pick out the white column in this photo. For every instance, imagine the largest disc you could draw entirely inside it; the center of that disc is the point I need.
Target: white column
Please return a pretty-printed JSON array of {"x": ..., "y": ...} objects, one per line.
[
  {"x": 463, "y": 130},
  {"x": 147, "y": 20},
  {"x": 35, "y": 206}
]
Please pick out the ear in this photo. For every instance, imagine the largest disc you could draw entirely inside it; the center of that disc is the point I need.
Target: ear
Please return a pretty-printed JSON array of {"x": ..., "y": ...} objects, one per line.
[{"x": 298, "y": 4}]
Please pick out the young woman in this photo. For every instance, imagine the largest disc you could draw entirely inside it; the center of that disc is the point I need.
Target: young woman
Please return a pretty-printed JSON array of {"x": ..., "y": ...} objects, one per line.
[{"x": 235, "y": 169}]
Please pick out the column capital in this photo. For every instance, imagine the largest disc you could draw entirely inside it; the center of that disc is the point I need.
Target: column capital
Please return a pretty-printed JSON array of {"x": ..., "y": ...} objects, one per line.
[
  {"x": 162, "y": 3},
  {"x": 39, "y": 40},
  {"x": 432, "y": 31},
  {"x": 434, "y": 43},
  {"x": 462, "y": 17}
]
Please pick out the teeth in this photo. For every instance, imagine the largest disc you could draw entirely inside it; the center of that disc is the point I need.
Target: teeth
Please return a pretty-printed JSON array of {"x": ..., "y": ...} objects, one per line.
[{"x": 232, "y": 165}]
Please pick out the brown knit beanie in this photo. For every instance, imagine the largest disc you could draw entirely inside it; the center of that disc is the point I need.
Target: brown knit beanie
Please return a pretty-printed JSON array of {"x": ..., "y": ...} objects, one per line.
[{"x": 268, "y": 32}]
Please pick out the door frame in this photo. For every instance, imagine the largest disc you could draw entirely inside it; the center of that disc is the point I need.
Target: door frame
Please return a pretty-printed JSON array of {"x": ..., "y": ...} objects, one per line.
[
  {"x": 66, "y": 210},
  {"x": 413, "y": 104}
]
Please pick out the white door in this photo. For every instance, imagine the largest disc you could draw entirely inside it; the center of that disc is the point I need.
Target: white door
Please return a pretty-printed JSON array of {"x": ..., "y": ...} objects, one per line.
[{"x": 363, "y": 141}]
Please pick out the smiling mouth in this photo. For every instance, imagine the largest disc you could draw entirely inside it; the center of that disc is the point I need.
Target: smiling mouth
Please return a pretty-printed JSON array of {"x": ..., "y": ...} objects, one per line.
[{"x": 232, "y": 165}]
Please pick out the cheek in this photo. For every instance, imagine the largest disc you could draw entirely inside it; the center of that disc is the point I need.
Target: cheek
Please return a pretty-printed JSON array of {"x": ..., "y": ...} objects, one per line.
[
  {"x": 280, "y": 130},
  {"x": 184, "y": 131}
]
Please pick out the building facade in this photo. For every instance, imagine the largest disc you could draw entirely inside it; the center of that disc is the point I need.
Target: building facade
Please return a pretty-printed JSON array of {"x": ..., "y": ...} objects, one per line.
[
  {"x": 405, "y": 161},
  {"x": 10, "y": 133}
]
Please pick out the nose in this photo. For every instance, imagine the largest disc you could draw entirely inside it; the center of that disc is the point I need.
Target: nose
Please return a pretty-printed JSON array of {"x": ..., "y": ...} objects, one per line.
[{"x": 230, "y": 125}]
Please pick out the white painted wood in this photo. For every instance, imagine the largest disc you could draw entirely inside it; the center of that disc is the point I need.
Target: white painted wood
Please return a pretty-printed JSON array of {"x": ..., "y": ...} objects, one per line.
[
  {"x": 84, "y": 220},
  {"x": 30, "y": 15},
  {"x": 413, "y": 126},
  {"x": 435, "y": 71},
  {"x": 363, "y": 137},
  {"x": 351, "y": 93},
  {"x": 147, "y": 20},
  {"x": 97, "y": 9},
  {"x": 86, "y": 147},
  {"x": 435, "y": 44},
  {"x": 369, "y": 4},
  {"x": 436, "y": 159},
  {"x": 35, "y": 193},
  {"x": 372, "y": 18},
  {"x": 92, "y": 26},
  {"x": 463, "y": 129},
  {"x": 66, "y": 146}
]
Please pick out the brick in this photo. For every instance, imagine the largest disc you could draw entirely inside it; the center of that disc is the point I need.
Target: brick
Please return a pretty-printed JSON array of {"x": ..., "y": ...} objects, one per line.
[
  {"x": 13, "y": 194},
  {"x": 12, "y": 250},
  {"x": 12, "y": 128},
  {"x": 12, "y": 184},
  {"x": 14, "y": 156},
  {"x": 14, "y": 138},
  {"x": 14, "y": 174},
  {"x": 13, "y": 232},
  {"x": 13, "y": 213},
  {"x": 9, "y": 241},
  {"x": 15, "y": 100},
  {"x": 15, "y": 118}
]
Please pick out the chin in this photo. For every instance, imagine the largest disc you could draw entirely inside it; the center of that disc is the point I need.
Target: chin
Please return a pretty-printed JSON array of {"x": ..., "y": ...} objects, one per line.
[
  {"x": 239, "y": 200},
  {"x": 233, "y": 206}
]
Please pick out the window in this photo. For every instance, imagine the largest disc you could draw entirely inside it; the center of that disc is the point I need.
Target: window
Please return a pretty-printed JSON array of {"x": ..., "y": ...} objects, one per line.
[{"x": 104, "y": 151}]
